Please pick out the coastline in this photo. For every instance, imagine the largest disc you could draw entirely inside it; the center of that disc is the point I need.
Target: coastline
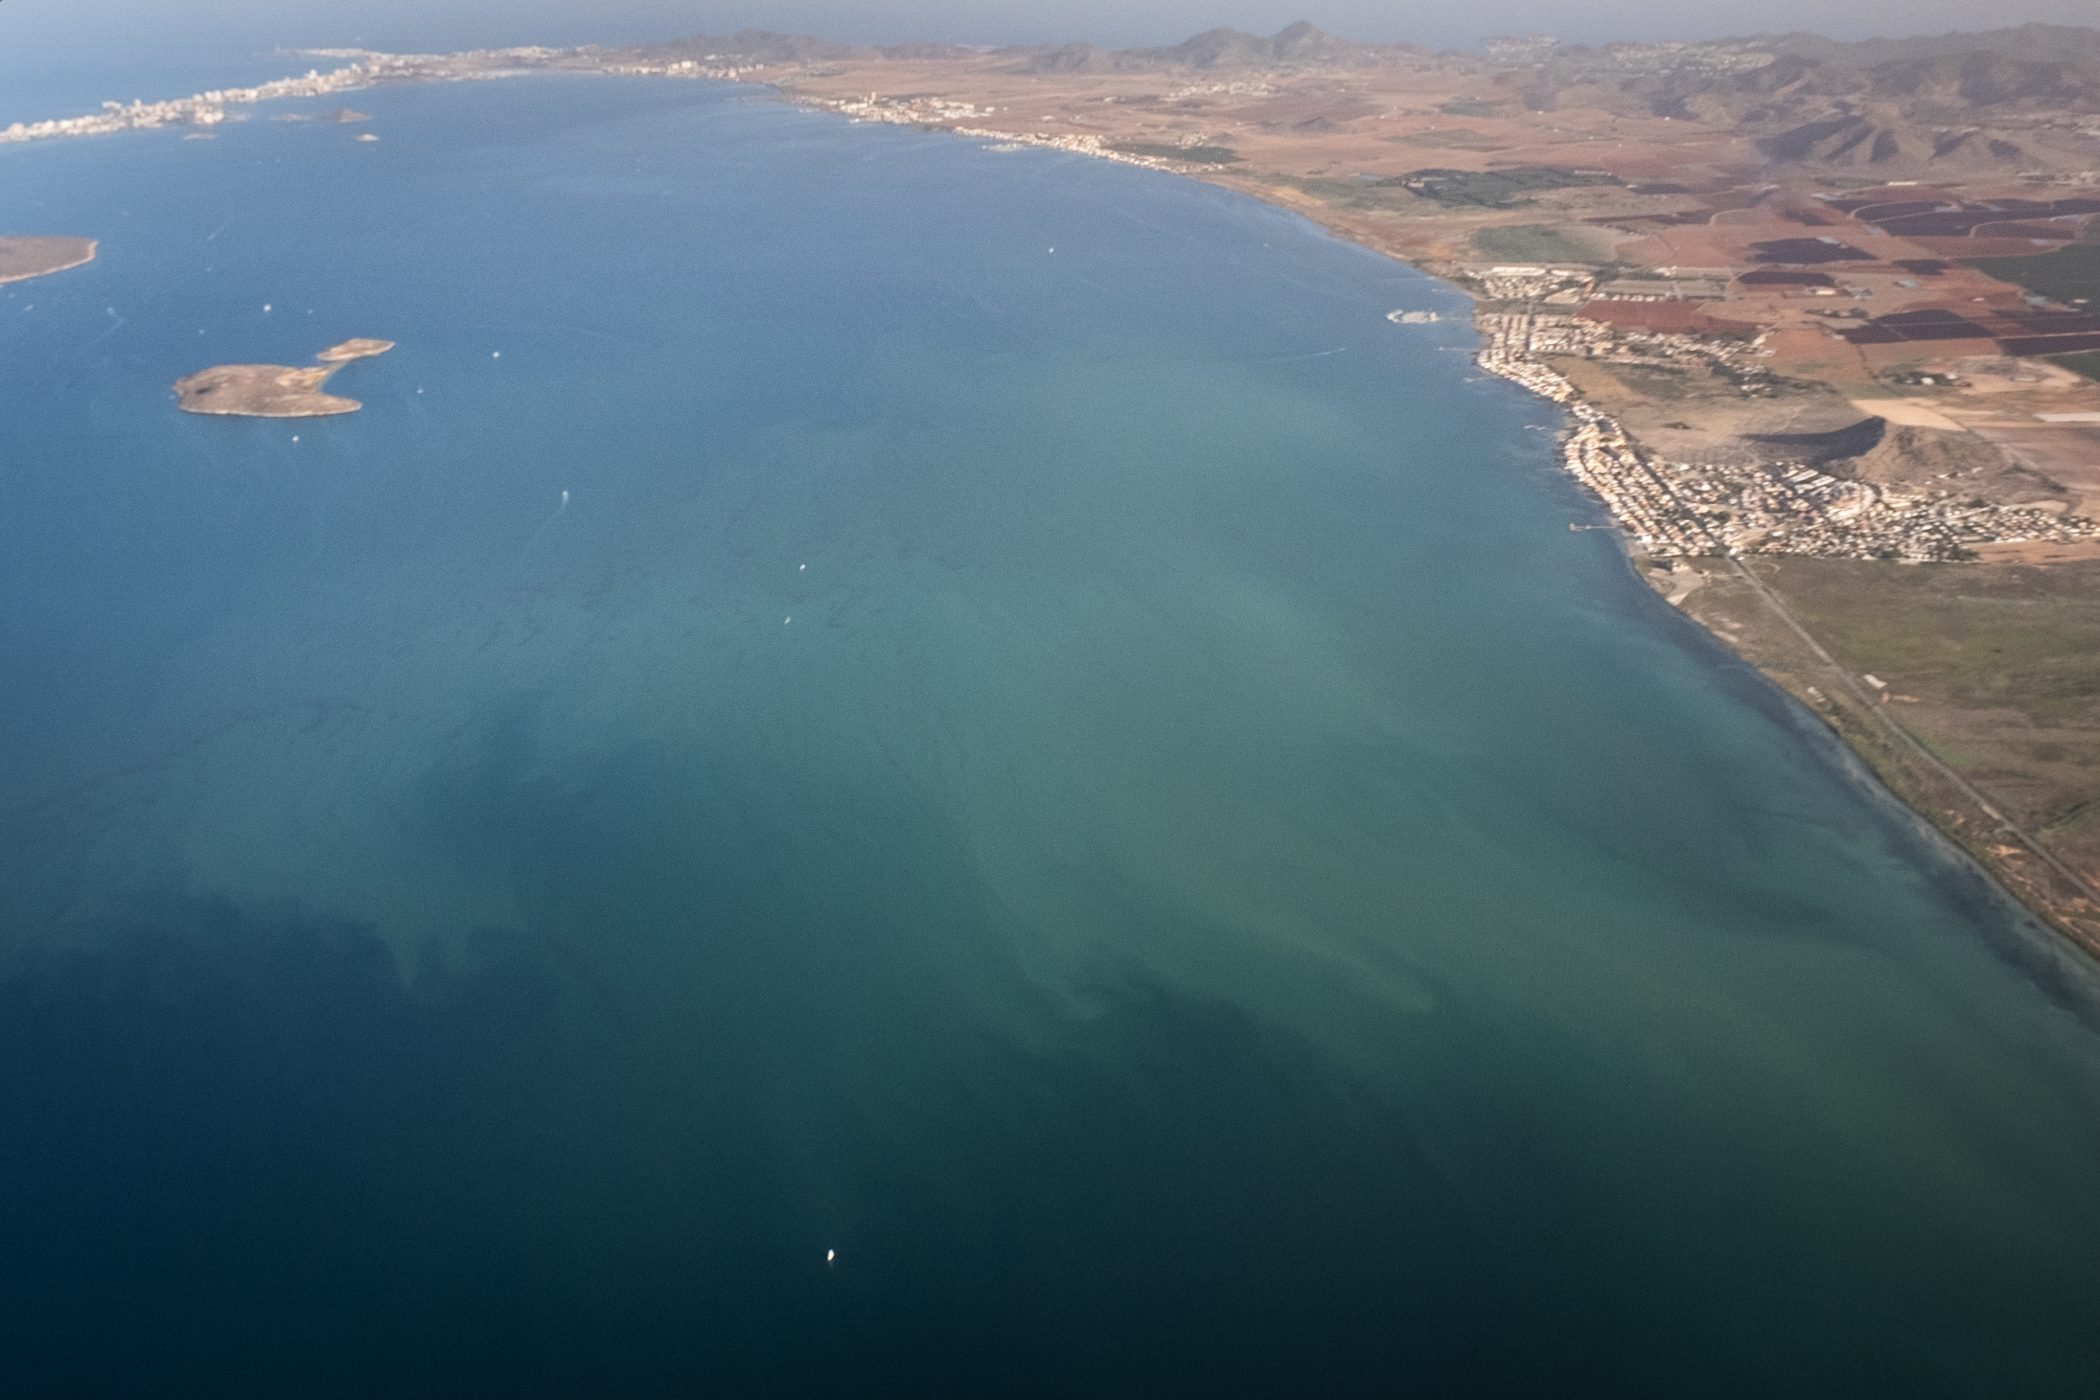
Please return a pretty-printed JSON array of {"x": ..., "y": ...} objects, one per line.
[
  {"x": 1689, "y": 567},
  {"x": 1614, "y": 469},
  {"x": 1793, "y": 660},
  {"x": 275, "y": 391},
  {"x": 1787, "y": 656},
  {"x": 83, "y": 252}
]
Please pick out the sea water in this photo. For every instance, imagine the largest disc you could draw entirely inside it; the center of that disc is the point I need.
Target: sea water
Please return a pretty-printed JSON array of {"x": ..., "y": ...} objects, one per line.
[{"x": 880, "y": 767}]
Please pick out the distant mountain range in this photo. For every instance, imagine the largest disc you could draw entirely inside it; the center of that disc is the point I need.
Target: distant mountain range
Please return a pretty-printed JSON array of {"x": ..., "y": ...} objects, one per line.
[
  {"x": 2007, "y": 100},
  {"x": 1960, "y": 102},
  {"x": 2040, "y": 43},
  {"x": 1301, "y": 45},
  {"x": 1305, "y": 44}
]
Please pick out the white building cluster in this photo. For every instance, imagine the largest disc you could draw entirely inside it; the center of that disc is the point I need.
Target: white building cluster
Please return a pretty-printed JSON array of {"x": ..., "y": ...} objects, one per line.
[
  {"x": 1235, "y": 89},
  {"x": 1673, "y": 509},
  {"x": 1675, "y": 57},
  {"x": 927, "y": 111},
  {"x": 712, "y": 66},
  {"x": 365, "y": 69},
  {"x": 1788, "y": 508},
  {"x": 1600, "y": 456},
  {"x": 204, "y": 109},
  {"x": 1528, "y": 282}
]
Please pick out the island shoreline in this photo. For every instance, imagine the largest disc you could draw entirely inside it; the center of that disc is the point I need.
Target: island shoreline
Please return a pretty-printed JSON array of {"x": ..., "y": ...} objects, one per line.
[
  {"x": 82, "y": 258},
  {"x": 275, "y": 391}
]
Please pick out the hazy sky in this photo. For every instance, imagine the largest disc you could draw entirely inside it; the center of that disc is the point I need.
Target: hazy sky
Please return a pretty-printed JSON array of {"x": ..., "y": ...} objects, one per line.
[{"x": 54, "y": 26}]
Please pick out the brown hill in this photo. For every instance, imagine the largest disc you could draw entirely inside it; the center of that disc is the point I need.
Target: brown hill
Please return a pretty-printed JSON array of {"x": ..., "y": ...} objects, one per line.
[
  {"x": 1301, "y": 45},
  {"x": 1073, "y": 58}
]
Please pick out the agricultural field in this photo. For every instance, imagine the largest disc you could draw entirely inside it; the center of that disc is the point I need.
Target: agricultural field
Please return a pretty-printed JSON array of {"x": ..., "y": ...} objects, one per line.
[
  {"x": 1498, "y": 189},
  {"x": 1546, "y": 243},
  {"x": 1997, "y": 670},
  {"x": 2068, "y": 275},
  {"x": 1188, "y": 155}
]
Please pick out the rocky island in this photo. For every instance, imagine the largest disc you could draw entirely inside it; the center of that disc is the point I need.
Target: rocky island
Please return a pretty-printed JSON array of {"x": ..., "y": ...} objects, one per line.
[
  {"x": 23, "y": 258},
  {"x": 275, "y": 391}
]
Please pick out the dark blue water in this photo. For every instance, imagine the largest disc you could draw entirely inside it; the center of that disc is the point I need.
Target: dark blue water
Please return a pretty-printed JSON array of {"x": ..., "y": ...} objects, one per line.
[{"x": 1094, "y": 784}]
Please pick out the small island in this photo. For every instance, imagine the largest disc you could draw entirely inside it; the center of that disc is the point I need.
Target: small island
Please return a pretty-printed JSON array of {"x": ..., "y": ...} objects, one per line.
[
  {"x": 275, "y": 391},
  {"x": 23, "y": 258}
]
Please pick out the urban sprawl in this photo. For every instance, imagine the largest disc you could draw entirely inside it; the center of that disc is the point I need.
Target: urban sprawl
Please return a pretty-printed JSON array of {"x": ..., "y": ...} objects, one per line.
[{"x": 1689, "y": 509}]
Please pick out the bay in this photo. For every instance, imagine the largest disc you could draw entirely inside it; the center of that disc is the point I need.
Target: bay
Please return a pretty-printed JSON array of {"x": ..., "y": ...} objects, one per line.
[{"x": 979, "y": 713}]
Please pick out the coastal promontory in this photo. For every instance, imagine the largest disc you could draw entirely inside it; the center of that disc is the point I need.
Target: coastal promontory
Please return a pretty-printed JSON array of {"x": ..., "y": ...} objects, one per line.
[
  {"x": 23, "y": 258},
  {"x": 275, "y": 391}
]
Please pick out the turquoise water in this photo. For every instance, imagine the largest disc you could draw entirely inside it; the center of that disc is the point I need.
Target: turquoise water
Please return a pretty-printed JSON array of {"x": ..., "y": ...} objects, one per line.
[{"x": 1094, "y": 784}]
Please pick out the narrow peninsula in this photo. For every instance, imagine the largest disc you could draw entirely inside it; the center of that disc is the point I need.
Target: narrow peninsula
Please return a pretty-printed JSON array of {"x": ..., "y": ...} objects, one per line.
[
  {"x": 275, "y": 391},
  {"x": 24, "y": 258}
]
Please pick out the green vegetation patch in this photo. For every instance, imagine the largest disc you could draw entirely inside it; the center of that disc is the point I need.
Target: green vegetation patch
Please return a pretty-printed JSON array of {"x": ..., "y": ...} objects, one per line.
[
  {"x": 1468, "y": 107},
  {"x": 1188, "y": 155},
  {"x": 1498, "y": 189},
  {"x": 2087, "y": 364},
  {"x": 1368, "y": 194},
  {"x": 1991, "y": 638},
  {"x": 2071, "y": 272},
  {"x": 1545, "y": 243},
  {"x": 1452, "y": 139},
  {"x": 2004, "y": 661}
]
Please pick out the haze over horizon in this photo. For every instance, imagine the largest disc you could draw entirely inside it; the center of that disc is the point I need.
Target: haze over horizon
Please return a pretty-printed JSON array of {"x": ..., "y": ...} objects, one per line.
[{"x": 113, "y": 25}]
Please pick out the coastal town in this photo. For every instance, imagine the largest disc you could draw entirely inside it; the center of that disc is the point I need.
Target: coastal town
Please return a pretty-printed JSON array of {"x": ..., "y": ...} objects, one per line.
[
  {"x": 1696, "y": 509},
  {"x": 1667, "y": 509},
  {"x": 205, "y": 110},
  {"x": 962, "y": 118},
  {"x": 366, "y": 69}
]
